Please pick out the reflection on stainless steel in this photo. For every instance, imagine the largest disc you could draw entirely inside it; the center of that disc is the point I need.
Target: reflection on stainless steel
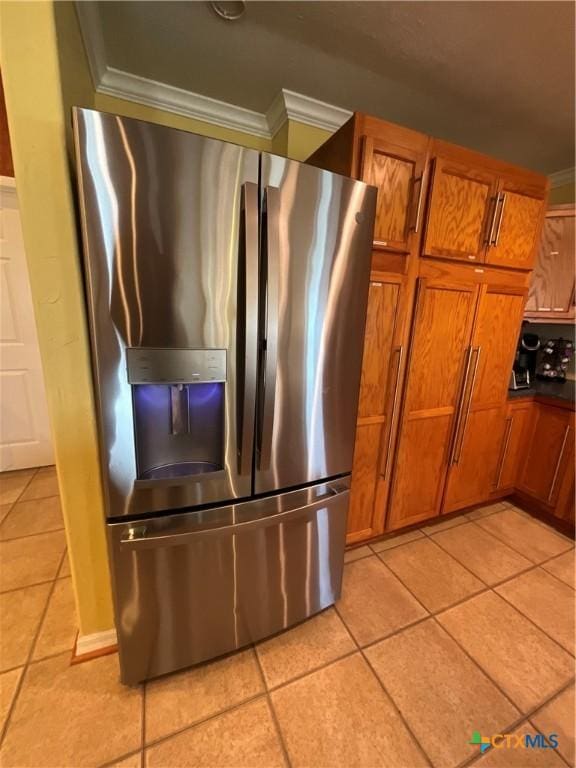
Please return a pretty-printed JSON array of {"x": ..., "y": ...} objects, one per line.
[
  {"x": 325, "y": 225},
  {"x": 196, "y": 585},
  {"x": 227, "y": 294},
  {"x": 161, "y": 213}
]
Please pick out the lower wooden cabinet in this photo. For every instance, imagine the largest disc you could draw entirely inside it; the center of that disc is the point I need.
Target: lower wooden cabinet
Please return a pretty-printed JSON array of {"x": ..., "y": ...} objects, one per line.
[
  {"x": 514, "y": 444},
  {"x": 547, "y": 474}
]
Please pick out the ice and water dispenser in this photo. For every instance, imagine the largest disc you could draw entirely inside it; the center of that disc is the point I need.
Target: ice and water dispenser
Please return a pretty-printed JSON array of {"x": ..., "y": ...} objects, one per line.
[{"x": 178, "y": 400}]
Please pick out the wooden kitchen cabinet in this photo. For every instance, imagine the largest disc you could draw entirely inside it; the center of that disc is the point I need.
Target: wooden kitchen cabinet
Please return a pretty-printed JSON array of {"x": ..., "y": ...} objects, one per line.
[
  {"x": 394, "y": 159},
  {"x": 548, "y": 468},
  {"x": 517, "y": 224},
  {"x": 482, "y": 211},
  {"x": 473, "y": 464},
  {"x": 551, "y": 295},
  {"x": 438, "y": 360},
  {"x": 378, "y": 392},
  {"x": 514, "y": 444},
  {"x": 398, "y": 173},
  {"x": 460, "y": 206},
  {"x": 432, "y": 415}
]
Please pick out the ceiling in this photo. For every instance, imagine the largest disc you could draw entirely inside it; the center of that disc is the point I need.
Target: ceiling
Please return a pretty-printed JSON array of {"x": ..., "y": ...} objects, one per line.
[{"x": 495, "y": 76}]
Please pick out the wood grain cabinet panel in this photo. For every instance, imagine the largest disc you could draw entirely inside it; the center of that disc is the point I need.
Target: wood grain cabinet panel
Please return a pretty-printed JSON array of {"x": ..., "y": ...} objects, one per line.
[
  {"x": 550, "y": 454},
  {"x": 552, "y": 287},
  {"x": 514, "y": 444},
  {"x": 378, "y": 386},
  {"x": 474, "y": 461},
  {"x": 440, "y": 340},
  {"x": 516, "y": 229},
  {"x": 397, "y": 172},
  {"x": 461, "y": 202}
]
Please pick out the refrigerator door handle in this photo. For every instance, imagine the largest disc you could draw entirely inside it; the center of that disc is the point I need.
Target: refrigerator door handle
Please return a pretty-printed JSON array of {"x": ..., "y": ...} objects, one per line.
[
  {"x": 270, "y": 342},
  {"x": 137, "y": 539},
  {"x": 248, "y": 332}
]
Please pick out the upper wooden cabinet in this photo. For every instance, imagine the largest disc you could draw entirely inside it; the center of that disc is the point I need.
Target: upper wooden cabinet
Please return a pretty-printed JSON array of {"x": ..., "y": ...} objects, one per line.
[
  {"x": 551, "y": 295},
  {"x": 393, "y": 159},
  {"x": 398, "y": 173},
  {"x": 460, "y": 206},
  {"x": 516, "y": 226},
  {"x": 481, "y": 210}
]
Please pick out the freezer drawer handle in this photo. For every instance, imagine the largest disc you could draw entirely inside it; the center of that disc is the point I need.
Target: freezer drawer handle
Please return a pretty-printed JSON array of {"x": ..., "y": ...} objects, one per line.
[{"x": 137, "y": 539}]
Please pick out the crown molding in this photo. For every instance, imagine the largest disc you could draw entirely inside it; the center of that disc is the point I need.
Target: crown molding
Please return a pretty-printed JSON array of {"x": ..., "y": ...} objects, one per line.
[
  {"x": 125, "y": 85},
  {"x": 320, "y": 114},
  {"x": 287, "y": 105},
  {"x": 561, "y": 178},
  {"x": 94, "y": 45}
]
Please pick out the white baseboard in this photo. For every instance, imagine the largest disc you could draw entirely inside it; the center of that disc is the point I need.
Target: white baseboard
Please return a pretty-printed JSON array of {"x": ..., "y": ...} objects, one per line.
[{"x": 95, "y": 642}]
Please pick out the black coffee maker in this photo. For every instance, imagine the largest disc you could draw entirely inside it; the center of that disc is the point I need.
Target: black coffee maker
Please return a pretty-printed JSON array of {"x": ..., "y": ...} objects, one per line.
[{"x": 524, "y": 369}]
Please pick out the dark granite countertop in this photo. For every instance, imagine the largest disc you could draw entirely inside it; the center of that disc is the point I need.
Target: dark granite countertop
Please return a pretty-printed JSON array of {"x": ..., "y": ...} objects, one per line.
[{"x": 559, "y": 390}]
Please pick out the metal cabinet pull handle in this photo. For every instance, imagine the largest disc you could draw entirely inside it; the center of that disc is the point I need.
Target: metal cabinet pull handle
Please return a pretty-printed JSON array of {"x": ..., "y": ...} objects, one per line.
[
  {"x": 458, "y": 410},
  {"x": 497, "y": 236},
  {"x": 419, "y": 180},
  {"x": 504, "y": 450},
  {"x": 559, "y": 462},
  {"x": 384, "y": 470},
  {"x": 495, "y": 200},
  {"x": 463, "y": 422},
  {"x": 268, "y": 393},
  {"x": 248, "y": 336}
]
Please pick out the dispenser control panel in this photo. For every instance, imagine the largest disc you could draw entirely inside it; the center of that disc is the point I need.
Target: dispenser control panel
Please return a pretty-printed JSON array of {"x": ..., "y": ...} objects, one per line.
[{"x": 147, "y": 365}]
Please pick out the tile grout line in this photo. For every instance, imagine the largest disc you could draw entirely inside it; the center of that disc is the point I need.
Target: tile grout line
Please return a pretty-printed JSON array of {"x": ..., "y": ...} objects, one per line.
[
  {"x": 26, "y": 665},
  {"x": 28, "y": 535},
  {"x": 525, "y": 717},
  {"x": 493, "y": 681},
  {"x": 434, "y": 617},
  {"x": 197, "y": 723},
  {"x": 360, "y": 650},
  {"x": 512, "y": 547},
  {"x": 529, "y": 619},
  {"x": 273, "y": 713}
]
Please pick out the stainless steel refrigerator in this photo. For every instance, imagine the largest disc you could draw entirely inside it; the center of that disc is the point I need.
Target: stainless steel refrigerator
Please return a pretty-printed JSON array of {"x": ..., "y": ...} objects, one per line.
[{"x": 227, "y": 295}]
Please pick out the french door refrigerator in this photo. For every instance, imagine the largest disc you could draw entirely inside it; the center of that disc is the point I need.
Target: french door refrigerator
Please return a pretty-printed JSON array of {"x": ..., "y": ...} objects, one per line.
[{"x": 227, "y": 294}]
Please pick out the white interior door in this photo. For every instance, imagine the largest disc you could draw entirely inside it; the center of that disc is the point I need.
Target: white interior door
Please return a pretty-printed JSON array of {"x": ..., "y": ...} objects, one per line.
[{"x": 24, "y": 428}]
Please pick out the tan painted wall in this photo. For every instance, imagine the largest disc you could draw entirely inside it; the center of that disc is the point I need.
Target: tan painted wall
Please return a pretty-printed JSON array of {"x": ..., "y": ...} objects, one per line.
[{"x": 38, "y": 121}]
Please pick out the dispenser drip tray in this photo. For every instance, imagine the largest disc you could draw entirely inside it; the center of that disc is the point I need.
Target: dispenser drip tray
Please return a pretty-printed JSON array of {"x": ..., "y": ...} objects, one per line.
[{"x": 181, "y": 469}]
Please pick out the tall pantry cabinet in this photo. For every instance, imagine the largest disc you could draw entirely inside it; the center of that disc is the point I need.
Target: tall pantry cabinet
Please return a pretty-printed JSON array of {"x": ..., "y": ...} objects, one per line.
[
  {"x": 394, "y": 159},
  {"x": 454, "y": 240}
]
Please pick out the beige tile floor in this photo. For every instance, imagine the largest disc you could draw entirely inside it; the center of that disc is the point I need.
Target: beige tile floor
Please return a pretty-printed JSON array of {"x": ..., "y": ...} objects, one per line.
[{"x": 464, "y": 626}]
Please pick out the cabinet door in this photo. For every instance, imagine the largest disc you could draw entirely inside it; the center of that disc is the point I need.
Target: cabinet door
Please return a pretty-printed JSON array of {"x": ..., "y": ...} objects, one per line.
[
  {"x": 550, "y": 448},
  {"x": 552, "y": 286},
  {"x": 439, "y": 351},
  {"x": 374, "y": 409},
  {"x": 516, "y": 229},
  {"x": 397, "y": 172},
  {"x": 481, "y": 422},
  {"x": 461, "y": 202},
  {"x": 514, "y": 444}
]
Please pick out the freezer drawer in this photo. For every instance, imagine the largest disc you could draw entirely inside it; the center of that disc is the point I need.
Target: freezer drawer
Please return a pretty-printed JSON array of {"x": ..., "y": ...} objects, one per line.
[{"x": 193, "y": 586}]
